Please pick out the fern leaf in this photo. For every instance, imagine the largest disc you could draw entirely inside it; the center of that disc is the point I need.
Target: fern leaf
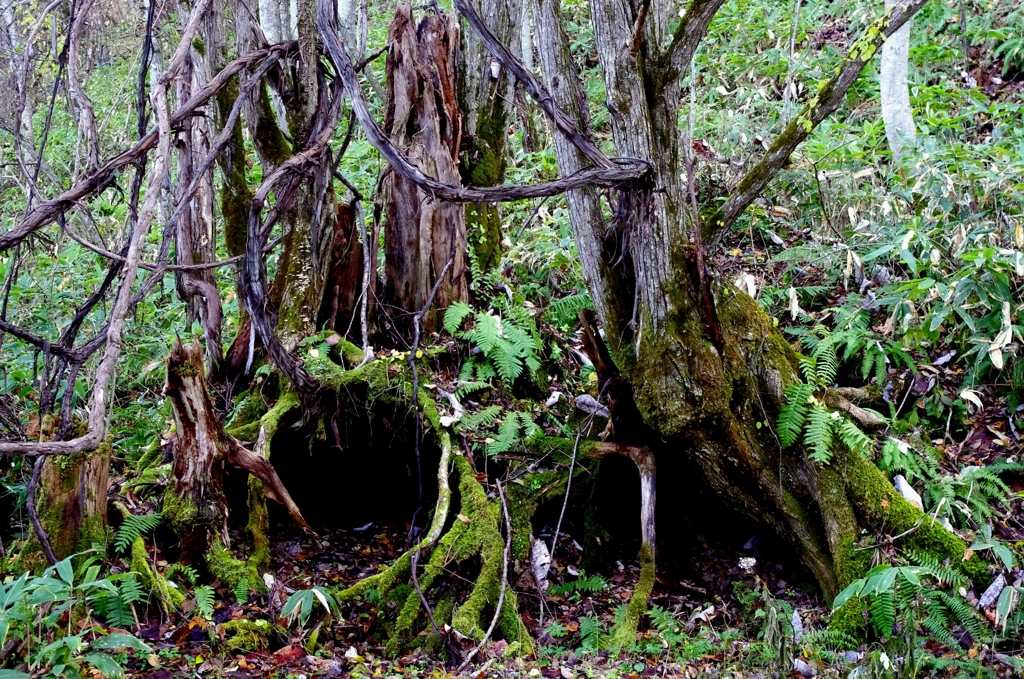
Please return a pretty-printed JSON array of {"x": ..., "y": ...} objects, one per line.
[
  {"x": 793, "y": 413},
  {"x": 204, "y": 600},
  {"x": 133, "y": 527},
  {"x": 818, "y": 434},
  {"x": 454, "y": 315},
  {"x": 852, "y": 437}
]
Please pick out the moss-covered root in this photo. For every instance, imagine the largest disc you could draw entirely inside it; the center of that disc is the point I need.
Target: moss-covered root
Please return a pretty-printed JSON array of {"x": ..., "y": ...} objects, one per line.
[
  {"x": 480, "y": 536},
  {"x": 170, "y": 597},
  {"x": 225, "y": 567},
  {"x": 624, "y": 633}
]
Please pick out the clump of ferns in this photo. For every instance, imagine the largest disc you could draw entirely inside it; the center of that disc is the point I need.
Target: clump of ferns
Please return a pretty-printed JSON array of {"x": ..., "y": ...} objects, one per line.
[
  {"x": 805, "y": 417},
  {"x": 901, "y": 601}
]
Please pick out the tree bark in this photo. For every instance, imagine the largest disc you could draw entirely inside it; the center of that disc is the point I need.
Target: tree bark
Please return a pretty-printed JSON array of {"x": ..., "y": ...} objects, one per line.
[
  {"x": 486, "y": 94},
  {"x": 422, "y": 234},
  {"x": 71, "y": 501}
]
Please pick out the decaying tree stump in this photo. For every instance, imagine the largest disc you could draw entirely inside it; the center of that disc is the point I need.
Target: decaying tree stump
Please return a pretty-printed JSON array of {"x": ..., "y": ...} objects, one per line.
[
  {"x": 194, "y": 503},
  {"x": 71, "y": 502},
  {"x": 422, "y": 234}
]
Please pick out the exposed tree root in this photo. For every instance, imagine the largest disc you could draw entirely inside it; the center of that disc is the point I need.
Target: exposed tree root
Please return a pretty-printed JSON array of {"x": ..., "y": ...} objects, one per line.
[{"x": 474, "y": 533}]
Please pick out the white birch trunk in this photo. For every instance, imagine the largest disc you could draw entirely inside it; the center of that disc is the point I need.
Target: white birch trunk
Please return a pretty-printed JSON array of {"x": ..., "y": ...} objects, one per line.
[{"x": 896, "y": 111}]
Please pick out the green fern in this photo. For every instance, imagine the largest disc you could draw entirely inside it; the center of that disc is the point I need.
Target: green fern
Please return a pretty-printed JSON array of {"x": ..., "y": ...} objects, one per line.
[
  {"x": 242, "y": 590},
  {"x": 133, "y": 527},
  {"x": 852, "y": 437},
  {"x": 454, "y": 315},
  {"x": 793, "y": 413},
  {"x": 508, "y": 346},
  {"x": 514, "y": 428},
  {"x": 204, "y": 600},
  {"x": 116, "y": 607},
  {"x": 183, "y": 573},
  {"x": 818, "y": 433},
  {"x": 482, "y": 418},
  {"x": 590, "y": 633},
  {"x": 468, "y": 388},
  {"x": 563, "y": 312}
]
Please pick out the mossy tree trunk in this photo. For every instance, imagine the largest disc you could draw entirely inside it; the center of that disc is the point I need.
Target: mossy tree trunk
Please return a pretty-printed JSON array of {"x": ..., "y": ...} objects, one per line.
[
  {"x": 71, "y": 501},
  {"x": 486, "y": 94},
  {"x": 707, "y": 367},
  {"x": 424, "y": 238}
]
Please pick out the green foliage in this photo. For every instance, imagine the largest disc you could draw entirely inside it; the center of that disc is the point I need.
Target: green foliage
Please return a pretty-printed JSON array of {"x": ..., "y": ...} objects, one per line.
[
  {"x": 133, "y": 527},
  {"x": 204, "y": 595},
  {"x": 241, "y": 591},
  {"x": 507, "y": 347},
  {"x": 582, "y": 585},
  {"x": 117, "y": 607},
  {"x": 970, "y": 497},
  {"x": 183, "y": 573},
  {"x": 299, "y": 606},
  {"x": 33, "y": 608}
]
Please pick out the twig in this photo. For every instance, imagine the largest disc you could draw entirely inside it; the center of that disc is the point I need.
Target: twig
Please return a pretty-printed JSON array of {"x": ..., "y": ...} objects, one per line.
[
  {"x": 504, "y": 580},
  {"x": 565, "y": 500}
]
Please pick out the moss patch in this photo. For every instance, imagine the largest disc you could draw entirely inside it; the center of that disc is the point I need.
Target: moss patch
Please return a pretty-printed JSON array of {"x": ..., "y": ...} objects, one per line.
[{"x": 247, "y": 635}]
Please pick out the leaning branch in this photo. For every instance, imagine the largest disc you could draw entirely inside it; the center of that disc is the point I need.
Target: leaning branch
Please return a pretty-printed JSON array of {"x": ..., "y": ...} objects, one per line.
[{"x": 829, "y": 97}]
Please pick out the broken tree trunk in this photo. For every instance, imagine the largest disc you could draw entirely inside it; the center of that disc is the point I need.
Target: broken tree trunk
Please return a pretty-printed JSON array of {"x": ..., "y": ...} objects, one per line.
[
  {"x": 194, "y": 503},
  {"x": 422, "y": 234},
  {"x": 340, "y": 310}
]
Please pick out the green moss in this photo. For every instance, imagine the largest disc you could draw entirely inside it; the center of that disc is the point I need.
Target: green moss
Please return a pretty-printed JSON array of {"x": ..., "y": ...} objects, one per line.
[
  {"x": 481, "y": 537},
  {"x": 884, "y": 509},
  {"x": 272, "y": 420},
  {"x": 624, "y": 633},
  {"x": 150, "y": 476},
  {"x": 170, "y": 597},
  {"x": 177, "y": 511},
  {"x": 224, "y": 566},
  {"x": 247, "y": 635},
  {"x": 257, "y": 527}
]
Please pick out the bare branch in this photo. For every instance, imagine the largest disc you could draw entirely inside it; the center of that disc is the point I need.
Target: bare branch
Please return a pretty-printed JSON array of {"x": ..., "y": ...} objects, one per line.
[
  {"x": 687, "y": 38},
  {"x": 47, "y": 212}
]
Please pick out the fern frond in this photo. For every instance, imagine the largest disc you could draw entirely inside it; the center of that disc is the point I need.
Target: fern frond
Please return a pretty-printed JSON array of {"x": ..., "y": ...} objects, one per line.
[
  {"x": 852, "y": 437},
  {"x": 507, "y": 436},
  {"x": 563, "y": 311},
  {"x": 482, "y": 418},
  {"x": 454, "y": 315},
  {"x": 882, "y": 610},
  {"x": 204, "y": 600},
  {"x": 133, "y": 527},
  {"x": 793, "y": 413},
  {"x": 818, "y": 434},
  {"x": 467, "y": 388}
]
